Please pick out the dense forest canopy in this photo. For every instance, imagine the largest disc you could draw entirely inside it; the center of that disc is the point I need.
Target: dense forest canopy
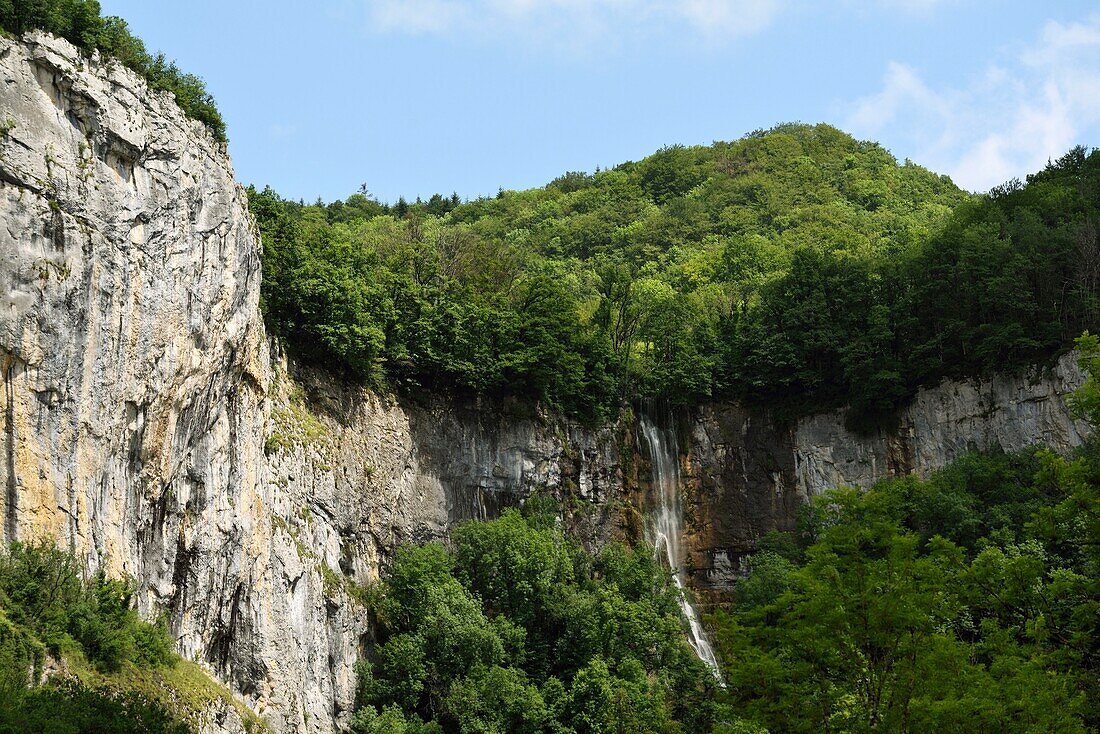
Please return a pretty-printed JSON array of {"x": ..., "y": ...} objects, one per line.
[
  {"x": 82, "y": 23},
  {"x": 516, "y": 628},
  {"x": 796, "y": 268}
]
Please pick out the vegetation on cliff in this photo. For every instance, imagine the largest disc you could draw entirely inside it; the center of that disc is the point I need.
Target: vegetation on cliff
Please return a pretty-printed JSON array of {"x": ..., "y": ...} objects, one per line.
[
  {"x": 81, "y": 23},
  {"x": 796, "y": 268},
  {"x": 969, "y": 601},
  {"x": 47, "y": 613}
]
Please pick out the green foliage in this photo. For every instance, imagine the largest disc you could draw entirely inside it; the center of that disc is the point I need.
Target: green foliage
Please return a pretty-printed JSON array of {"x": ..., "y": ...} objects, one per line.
[
  {"x": 46, "y": 609},
  {"x": 771, "y": 576},
  {"x": 795, "y": 268},
  {"x": 1086, "y": 401},
  {"x": 882, "y": 630},
  {"x": 80, "y": 22},
  {"x": 368, "y": 720},
  {"x": 517, "y": 629},
  {"x": 969, "y": 601},
  {"x": 41, "y": 591},
  {"x": 74, "y": 708}
]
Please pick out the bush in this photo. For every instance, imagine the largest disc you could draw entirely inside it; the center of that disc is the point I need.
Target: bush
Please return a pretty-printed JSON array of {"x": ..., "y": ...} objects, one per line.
[
  {"x": 75, "y": 708},
  {"x": 41, "y": 591},
  {"x": 46, "y": 609}
]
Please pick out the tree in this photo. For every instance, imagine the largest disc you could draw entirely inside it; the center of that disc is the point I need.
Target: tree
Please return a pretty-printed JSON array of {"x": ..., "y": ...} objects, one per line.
[
  {"x": 886, "y": 628},
  {"x": 517, "y": 629}
]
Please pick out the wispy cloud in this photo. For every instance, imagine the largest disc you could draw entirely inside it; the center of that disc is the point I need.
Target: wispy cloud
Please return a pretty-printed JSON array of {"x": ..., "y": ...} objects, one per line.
[
  {"x": 914, "y": 6},
  {"x": 1005, "y": 121},
  {"x": 920, "y": 10},
  {"x": 279, "y": 131},
  {"x": 573, "y": 21}
]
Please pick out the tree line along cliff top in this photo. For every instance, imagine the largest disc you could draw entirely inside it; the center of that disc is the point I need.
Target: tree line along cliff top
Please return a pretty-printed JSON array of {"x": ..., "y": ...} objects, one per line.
[{"x": 795, "y": 268}]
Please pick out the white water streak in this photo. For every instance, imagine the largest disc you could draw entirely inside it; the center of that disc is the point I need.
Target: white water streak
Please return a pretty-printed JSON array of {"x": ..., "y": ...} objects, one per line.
[{"x": 665, "y": 530}]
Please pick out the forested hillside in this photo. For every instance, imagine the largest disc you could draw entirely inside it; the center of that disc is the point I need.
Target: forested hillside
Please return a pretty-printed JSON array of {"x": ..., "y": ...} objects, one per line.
[{"x": 795, "y": 268}]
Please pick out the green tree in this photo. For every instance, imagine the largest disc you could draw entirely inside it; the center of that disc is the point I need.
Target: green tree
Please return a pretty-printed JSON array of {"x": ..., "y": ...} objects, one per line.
[{"x": 517, "y": 629}]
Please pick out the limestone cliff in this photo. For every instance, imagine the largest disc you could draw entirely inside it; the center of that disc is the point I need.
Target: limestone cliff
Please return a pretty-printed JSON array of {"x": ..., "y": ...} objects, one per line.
[
  {"x": 747, "y": 475},
  {"x": 137, "y": 423},
  {"x": 132, "y": 361},
  {"x": 147, "y": 427}
]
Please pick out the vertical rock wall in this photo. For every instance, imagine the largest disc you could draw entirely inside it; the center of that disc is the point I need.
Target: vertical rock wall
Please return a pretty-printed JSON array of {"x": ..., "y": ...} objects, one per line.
[
  {"x": 748, "y": 475},
  {"x": 134, "y": 365}
]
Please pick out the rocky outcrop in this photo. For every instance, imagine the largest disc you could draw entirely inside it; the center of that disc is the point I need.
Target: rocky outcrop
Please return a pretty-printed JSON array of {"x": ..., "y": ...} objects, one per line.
[
  {"x": 147, "y": 427},
  {"x": 131, "y": 360},
  {"x": 350, "y": 476},
  {"x": 383, "y": 471},
  {"x": 747, "y": 475},
  {"x": 941, "y": 424}
]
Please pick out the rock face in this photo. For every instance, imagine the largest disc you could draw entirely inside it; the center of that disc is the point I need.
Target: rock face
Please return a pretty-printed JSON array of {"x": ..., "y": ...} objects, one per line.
[
  {"x": 380, "y": 472},
  {"x": 148, "y": 428},
  {"x": 1010, "y": 413},
  {"x": 131, "y": 361},
  {"x": 748, "y": 475}
]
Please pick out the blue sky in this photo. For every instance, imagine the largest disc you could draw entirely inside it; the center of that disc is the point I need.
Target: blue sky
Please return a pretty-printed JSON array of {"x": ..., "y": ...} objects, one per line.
[{"x": 411, "y": 97}]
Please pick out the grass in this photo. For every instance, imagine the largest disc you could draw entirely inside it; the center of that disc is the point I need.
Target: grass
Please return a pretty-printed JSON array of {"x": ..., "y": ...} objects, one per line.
[
  {"x": 183, "y": 687},
  {"x": 295, "y": 425},
  {"x": 186, "y": 689}
]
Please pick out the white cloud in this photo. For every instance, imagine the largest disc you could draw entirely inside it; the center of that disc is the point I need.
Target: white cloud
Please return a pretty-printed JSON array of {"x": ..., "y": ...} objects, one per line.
[
  {"x": 723, "y": 17},
  {"x": 1003, "y": 123},
  {"x": 418, "y": 16},
  {"x": 921, "y": 9},
  {"x": 903, "y": 88},
  {"x": 573, "y": 21}
]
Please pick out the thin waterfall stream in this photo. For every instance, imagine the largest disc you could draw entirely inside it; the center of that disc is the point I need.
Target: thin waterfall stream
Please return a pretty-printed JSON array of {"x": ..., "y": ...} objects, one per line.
[{"x": 665, "y": 530}]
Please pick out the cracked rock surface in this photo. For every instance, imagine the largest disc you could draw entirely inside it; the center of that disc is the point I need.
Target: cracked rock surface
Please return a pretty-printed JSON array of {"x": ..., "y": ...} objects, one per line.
[{"x": 132, "y": 361}]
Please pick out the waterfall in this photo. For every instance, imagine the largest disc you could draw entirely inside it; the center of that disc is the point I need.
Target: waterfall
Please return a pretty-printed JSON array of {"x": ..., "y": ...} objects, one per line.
[{"x": 665, "y": 532}]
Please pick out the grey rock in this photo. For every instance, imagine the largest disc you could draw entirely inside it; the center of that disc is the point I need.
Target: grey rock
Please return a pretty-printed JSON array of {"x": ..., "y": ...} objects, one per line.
[
  {"x": 132, "y": 362},
  {"x": 747, "y": 475},
  {"x": 942, "y": 423}
]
